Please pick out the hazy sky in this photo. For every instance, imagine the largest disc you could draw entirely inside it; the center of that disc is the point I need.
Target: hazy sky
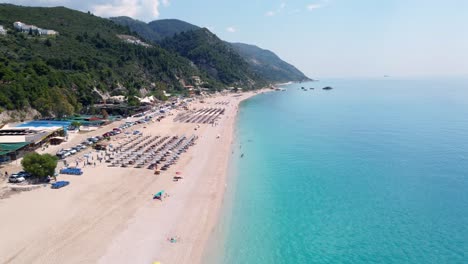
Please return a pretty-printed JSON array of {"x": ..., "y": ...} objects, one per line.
[{"x": 323, "y": 38}]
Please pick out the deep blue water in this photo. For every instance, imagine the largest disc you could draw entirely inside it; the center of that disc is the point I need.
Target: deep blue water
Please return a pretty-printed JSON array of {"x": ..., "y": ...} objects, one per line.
[{"x": 370, "y": 172}]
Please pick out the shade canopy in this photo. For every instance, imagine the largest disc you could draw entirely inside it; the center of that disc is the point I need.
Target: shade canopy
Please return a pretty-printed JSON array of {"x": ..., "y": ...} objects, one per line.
[{"x": 159, "y": 194}]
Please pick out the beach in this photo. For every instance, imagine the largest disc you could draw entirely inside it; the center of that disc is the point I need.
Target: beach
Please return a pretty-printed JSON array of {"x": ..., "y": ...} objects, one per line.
[{"x": 108, "y": 215}]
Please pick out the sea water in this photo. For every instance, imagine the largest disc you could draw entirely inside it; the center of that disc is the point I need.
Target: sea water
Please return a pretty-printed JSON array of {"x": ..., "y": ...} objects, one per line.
[{"x": 373, "y": 171}]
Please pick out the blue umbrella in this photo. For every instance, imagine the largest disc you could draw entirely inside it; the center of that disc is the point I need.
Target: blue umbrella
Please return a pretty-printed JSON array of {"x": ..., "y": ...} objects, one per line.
[{"x": 158, "y": 195}]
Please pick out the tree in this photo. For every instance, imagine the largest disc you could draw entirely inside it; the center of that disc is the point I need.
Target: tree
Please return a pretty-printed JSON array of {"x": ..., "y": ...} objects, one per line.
[
  {"x": 39, "y": 165},
  {"x": 133, "y": 101},
  {"x": 104, "y": 113},
  {"x": 76, "y": 124}
]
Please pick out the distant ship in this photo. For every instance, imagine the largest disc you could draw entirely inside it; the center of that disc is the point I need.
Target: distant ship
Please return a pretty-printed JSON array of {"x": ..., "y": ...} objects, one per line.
[{"x": 327, "y": 88}]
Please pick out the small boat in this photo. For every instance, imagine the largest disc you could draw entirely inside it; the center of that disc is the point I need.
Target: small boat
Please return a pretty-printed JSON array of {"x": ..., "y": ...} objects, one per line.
[
  {"x": 242, "y": 155},
  {"x": 327, "y": 88}
]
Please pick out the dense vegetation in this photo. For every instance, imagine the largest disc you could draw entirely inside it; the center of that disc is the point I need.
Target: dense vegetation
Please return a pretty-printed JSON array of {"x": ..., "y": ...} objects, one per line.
[
  {"x": 39, "y": 165},
  {"x": 214, "y": 56},
  {"x": 88, "y": 61},
  {"x": 157, "y": 30},
  {"x": 139, "y": 27},
  {"x": 264, "y": 63},
  {"x": 268, "y": 65},
  {"x": 167, "y": 28},
  {"x": 59, "y": 75}
]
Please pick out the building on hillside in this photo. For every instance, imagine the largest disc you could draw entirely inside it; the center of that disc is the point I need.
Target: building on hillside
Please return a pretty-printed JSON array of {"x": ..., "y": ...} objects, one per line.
[
  {"x": 20, "y": 26},
  {"x": 47, "y": 32},
  {"x": 2, "y": 30}
]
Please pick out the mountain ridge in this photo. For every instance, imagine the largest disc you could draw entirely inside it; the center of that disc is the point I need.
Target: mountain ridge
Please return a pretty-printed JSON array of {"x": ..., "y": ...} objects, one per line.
[
  {"x": 214, "y": 56},
  {"x": 270, "y": 66},
  {"x": 266, "y": 63}
]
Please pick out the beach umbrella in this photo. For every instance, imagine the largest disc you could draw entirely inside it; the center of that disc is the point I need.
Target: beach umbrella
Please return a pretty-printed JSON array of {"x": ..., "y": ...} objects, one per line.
[{"x": 158, "y": 195}]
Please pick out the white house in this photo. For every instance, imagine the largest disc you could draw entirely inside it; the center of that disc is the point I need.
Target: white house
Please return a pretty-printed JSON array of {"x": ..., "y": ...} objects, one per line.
[
  {"x": 2, "y": 30},
  {"x": 48, "y": 32},
  {"x": 20, "y": 26}
]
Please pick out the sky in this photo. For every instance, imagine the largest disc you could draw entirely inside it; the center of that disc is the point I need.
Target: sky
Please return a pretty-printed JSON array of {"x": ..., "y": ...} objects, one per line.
[{"x": 323, "y": 38}]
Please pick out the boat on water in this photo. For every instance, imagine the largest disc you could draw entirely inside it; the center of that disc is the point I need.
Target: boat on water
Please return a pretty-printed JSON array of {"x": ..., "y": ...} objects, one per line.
[{"x": 327, "y": 88}]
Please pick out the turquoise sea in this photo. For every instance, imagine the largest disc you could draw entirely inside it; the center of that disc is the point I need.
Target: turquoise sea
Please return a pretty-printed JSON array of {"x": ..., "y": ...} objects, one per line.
[{"x": 373, "y": 171}]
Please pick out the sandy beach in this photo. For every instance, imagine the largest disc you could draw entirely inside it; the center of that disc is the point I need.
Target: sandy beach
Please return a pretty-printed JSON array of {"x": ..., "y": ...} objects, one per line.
[{"x": 107, "y": 215}]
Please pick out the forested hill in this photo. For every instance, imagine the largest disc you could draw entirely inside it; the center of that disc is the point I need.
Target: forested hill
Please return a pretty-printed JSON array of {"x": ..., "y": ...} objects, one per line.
[
  {"x": 268, "y": 65},
  {"x": 58, "y": 75},
  {"x": 263, "y": 63},
  {"x": 213, "y": 56},
  {"x": 155, "y": 31}
]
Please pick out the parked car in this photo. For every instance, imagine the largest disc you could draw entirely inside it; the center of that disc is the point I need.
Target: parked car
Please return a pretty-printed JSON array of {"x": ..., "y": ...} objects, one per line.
[
  {"x": 25, "y": 174},
  {"x": 73, "y": 151},
  {"x": 77, "y": 149},
  {"x": 81, "y": 147},
  {"x": 87, "y": 143},
  {"x": 93, "y": 139},
  {"x": 16, "y": 178},
  {"x": 59, "y": 184}
]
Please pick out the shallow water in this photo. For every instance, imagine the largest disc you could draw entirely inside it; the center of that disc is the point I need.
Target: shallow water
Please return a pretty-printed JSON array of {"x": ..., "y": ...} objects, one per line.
[{"x": 370, "y": 172}]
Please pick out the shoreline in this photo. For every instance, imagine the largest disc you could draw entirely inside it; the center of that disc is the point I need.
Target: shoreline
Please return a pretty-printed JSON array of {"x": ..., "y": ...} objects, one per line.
[
  {"x": 200, "y": 209},
  {"x": 107, "y": 215}
]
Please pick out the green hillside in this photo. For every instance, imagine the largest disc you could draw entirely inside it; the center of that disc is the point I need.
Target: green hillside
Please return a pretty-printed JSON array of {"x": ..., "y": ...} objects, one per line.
[
  {"x": 213, "y": 56},
  {"x": 167, "y": 28},
  {"x": 139, "y": 27},
  {"x": 58, "y": 75},
  {"x": 263, "y": 63},
  {"x": 157, "y": 30},
  {"x": 268, "y": 65}
]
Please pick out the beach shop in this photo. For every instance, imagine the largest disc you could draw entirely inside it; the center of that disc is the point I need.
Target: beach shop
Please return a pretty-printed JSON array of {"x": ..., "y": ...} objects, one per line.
[
  {"x": 16, "y": 142},
  {"x": 11, "y": 151}
]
